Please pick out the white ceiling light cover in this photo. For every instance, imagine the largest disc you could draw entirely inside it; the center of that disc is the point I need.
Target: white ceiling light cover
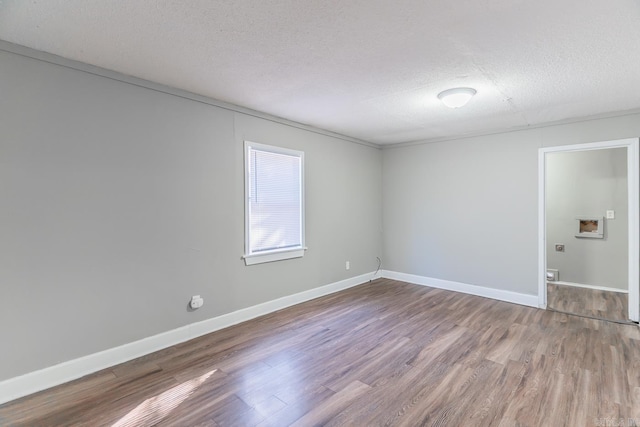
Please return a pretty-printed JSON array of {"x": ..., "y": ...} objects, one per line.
[{"x": 456, "y": 97}]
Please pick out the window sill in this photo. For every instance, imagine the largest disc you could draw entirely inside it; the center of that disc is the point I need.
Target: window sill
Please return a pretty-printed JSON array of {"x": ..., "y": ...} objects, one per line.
[{"x": 274, "y": 256}]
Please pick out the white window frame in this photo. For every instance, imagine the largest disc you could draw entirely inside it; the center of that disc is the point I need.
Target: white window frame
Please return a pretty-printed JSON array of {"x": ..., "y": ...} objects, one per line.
[{"x": 275, "y": 254}]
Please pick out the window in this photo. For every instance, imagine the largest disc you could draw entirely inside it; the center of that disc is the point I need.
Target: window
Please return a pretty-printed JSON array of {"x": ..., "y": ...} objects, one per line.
[{"x": 274, "y": 203}]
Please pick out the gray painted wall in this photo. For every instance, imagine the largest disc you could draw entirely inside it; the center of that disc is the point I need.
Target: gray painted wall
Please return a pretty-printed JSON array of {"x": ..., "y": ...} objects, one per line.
[
  {"x": 466, "y": 210},
  {"x": 588, "y": 183},
  {"x": 120, "y": 202}
]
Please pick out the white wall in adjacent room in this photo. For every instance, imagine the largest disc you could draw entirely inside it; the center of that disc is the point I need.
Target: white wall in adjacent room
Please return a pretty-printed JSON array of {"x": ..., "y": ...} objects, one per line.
[{"x": 587, "y": 184}]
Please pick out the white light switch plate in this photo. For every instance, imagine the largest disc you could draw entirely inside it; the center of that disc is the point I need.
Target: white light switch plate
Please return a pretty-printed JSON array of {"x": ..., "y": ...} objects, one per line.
[{"x": 611, "y": 214}]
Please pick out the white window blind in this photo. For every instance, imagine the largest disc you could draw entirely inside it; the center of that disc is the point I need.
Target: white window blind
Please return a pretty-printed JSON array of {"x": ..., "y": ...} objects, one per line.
[{"x": 274, "y": 203}]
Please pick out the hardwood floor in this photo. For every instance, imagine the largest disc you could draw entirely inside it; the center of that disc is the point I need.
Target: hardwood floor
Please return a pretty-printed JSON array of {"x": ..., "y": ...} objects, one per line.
[
  {"x": 384, "y": 353},
  {"x": 595, "y": 303}
]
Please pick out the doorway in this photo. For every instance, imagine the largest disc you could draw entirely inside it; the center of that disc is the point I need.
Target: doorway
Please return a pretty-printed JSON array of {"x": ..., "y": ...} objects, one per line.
[{"x": 588, "y": 229}]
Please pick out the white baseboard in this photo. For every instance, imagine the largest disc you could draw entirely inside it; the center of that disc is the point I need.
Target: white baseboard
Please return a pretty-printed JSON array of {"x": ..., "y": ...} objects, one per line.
[
  {"x": 481, "y": 291},
  {"x": 598, "y": 288},
  {"x": 42, "y": 379}
]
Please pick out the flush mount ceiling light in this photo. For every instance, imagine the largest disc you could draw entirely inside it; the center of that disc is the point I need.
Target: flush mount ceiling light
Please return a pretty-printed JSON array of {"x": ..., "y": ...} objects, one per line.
[{"x": 456, "y": 97}]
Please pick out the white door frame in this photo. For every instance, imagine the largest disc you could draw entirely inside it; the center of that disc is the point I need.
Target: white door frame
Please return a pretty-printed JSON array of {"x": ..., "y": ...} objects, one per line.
[{"x": 633, "y": 187}]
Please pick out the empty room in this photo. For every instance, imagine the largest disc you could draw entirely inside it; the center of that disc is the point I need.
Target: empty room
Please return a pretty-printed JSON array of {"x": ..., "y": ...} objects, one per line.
[{"x": 344, "y": 213}]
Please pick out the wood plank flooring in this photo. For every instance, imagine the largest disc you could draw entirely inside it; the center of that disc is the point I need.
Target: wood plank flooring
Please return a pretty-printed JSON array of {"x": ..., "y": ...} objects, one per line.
[
  {"x": 595, "y": 303},
  {"x": 383, "y": 353}
]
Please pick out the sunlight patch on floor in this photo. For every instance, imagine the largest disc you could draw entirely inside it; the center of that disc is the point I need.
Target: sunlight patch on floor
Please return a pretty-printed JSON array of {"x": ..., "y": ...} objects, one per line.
[{"x": 155, "y": 409}]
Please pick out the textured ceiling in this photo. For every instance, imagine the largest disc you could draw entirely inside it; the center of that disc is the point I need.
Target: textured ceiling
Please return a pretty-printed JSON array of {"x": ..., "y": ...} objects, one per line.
[{"x": 370, "y": 69}]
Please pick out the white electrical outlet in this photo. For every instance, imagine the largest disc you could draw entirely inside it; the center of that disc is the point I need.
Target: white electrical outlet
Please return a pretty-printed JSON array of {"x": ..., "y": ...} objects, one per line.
[
  {"x": 196, "y": 302},
  {"x": 347, "y": 265},
  {"x": 611, "y": 214}
]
